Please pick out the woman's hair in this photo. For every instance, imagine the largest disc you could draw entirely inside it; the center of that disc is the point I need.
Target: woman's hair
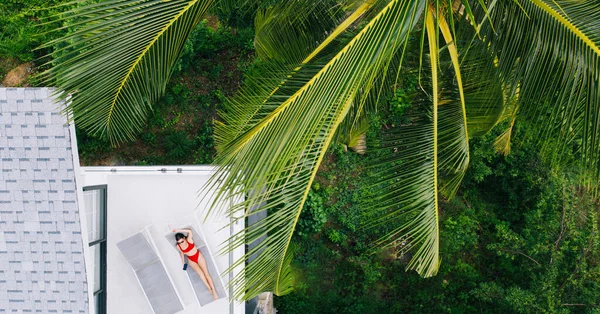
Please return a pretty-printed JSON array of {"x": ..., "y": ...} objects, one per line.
[{"x": 179, "y": 236}]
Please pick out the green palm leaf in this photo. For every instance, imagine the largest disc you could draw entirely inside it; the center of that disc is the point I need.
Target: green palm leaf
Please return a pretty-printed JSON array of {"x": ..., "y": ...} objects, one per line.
[
  {"x": 502, "y": 142},
  {"x": 485, "y": 94},
  {"x": 483, "y": 103},
  {"x": 119, "y": 60},
  {"x": 430, "y": 154},
  {"x": 550, "y": 50},
  {"x": 277, "y": 159},
  {"x": 290, "y": 31},
  {"x": 368, "y": 98},
  {"x": 408, "y": 174},
  {"x": 274, "y": 134},
  {"x": 486, "y": 97},
  {"x": 454, "y": 156},
  {"x": 283, "y": 73}
]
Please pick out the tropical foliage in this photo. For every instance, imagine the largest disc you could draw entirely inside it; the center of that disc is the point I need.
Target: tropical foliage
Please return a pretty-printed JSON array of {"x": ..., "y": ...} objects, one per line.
[
  {"x": 324, "y": 67},
  {"x": 519, "y": 237},
  {"x": 21, "y": 27},
  {"x": 23, "y": 30},
  {"x": 210, "y": 69}
]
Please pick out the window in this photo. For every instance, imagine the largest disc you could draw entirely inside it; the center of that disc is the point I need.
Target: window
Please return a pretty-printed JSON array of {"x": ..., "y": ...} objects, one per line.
[{"x": 95, "y": 210}]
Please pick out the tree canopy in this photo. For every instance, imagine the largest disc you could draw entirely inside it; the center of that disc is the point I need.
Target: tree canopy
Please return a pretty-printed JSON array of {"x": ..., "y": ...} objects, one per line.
[{"x": 325, "y": 68}]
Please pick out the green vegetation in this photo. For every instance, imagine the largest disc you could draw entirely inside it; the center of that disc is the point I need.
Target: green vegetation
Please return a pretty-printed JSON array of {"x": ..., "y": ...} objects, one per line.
[
  {"x": 19, "y": 34},
  {"x": 23, "y": 30},
  {"x": 179, "y": 129},
  {"x": 519, "y": 235}
]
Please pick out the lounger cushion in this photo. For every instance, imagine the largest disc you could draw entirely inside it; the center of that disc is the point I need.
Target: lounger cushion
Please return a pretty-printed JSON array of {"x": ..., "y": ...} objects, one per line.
[
  {"x": 151, "y": 274},
  {"x": 201, "y": 291}
]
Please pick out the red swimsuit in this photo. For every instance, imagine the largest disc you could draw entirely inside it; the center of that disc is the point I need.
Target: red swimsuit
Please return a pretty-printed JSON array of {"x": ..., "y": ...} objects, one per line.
[{"x": 193, "y": 258}]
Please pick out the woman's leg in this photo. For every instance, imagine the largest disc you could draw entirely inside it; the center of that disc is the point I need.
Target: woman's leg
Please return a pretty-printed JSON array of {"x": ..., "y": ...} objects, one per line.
[
  {"x": 200, "y": 273},
  {"x": 202, "y": 264}
]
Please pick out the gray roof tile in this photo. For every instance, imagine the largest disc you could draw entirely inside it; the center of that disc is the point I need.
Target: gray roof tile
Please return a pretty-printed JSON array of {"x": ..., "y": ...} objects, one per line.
[
  {"x": 18, "y": 119},
  {"x": 23, "y": 106},
  {"x": 14, "y": 140},
  {"x": 41, "y": 93},
  {"x": 28, "y": 131},
  {"x": 41, "y": 249},
  {"x": 38, "y": 106},
  {"x": 15, "y": 93},
  {"x": 30, "y": 93}
]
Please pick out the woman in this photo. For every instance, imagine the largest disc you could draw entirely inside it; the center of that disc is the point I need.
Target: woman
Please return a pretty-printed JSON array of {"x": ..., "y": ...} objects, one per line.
[{"x": 186, "y": 246}]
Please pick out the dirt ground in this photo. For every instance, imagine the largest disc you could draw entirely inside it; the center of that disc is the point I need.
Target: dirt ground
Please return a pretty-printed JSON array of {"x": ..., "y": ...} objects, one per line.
[{"x": 17, "y": 77}]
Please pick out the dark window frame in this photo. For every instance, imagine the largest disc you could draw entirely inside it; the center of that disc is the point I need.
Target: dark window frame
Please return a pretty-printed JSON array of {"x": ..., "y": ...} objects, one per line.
[{"x": 101, "y": 293}]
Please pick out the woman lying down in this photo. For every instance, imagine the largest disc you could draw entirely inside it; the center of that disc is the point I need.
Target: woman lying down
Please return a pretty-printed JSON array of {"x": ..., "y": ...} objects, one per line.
[{"x": 185, "y": 244}]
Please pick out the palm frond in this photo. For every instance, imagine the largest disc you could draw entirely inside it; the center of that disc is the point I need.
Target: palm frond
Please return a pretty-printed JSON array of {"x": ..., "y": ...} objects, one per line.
[
  {"x": 455, "y": 157},
  {"x": 357, "y": 136},
  {"x": 430, "y": 154},
  {"x": 486, "y": 97},
  {"x": 283, "y": 73},
  {"x": 502, "y": 142},
  {"x": 290, "y": 30},
  {"x": 267, "y": 86},
  {"x": 407, "y": 180},
  {"x": 276, "y": 159},
  {"x": 551, "y": 49},
  {"x": 368, "y": 99},
  {"x": 117, "y": 62},
  {"x": 483, "y": 87}
]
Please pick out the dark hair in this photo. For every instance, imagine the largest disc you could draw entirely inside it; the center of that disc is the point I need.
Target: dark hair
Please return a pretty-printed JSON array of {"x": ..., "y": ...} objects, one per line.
[{"x": 179, "y": 236}]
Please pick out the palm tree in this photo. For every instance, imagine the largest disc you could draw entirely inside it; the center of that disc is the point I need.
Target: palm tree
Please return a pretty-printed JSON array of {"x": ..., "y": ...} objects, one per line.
[{"x": 325, "y": 66}]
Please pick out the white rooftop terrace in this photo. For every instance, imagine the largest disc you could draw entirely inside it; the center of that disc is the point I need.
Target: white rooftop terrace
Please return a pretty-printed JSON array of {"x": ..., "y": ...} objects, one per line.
[{"x": 162, "y": 197}]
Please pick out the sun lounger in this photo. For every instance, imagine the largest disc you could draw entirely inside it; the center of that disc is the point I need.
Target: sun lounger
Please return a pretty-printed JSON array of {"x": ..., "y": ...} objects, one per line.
[
  {"x": 200, "y": 290},
  {"x": 151, "y": 274}
]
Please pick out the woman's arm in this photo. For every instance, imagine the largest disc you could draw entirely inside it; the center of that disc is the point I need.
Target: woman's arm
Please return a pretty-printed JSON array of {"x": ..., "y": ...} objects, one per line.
[
  {"x": 189, "y": 236},
  {"x": 186, "y": 230}
]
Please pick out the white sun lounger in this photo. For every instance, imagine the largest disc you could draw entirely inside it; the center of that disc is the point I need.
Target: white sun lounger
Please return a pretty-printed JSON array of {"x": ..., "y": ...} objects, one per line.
[
  {"x": 151, "y": 274},
  {"x": 200, "y": 290}
]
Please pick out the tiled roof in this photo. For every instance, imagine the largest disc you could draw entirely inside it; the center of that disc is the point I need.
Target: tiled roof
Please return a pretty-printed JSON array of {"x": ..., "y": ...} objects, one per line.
[{"x": 42, "y": 268}]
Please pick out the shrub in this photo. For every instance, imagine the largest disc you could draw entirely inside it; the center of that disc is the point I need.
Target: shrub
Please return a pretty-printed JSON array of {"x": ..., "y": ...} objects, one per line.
[
  {"x": 215, "y": 71},
  {"x": 178, "y": 145},
  {"x": 89, "y": 146},
  {"x": 148, "y": 138},
  {"x": 22, "y": 30},
  {"x": 336, "y": 236},
  {"x": 313, "y": 215}
]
